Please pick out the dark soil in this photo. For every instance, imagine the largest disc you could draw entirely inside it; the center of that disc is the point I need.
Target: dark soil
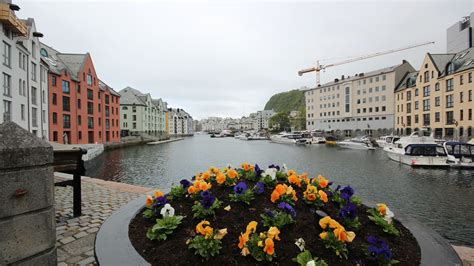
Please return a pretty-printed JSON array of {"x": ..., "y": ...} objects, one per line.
[{"x": 174, "y": 251}]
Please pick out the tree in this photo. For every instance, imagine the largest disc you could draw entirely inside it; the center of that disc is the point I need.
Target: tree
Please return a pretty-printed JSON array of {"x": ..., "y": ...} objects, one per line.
[{"x": 279, "y": 122}]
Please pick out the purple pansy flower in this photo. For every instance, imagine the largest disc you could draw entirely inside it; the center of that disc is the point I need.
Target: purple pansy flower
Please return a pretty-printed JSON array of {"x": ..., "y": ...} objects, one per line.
[
  {"x": 185, "y": 183},
  {"x": 269, "y": 213},
  {"x": 207, "y": 199},
  {"x": 348, "y": 211},
  {"x": 347, "y": 192},
  {"x": 287, "y": 208},
  {"x": 240, "y": 188},
  {"x": 379, "y": 247},
  {"x": 259, "y": 188}
]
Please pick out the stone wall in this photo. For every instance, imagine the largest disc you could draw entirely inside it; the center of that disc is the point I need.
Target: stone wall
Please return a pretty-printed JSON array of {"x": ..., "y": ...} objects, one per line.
[{"x": 27, "y": 223}]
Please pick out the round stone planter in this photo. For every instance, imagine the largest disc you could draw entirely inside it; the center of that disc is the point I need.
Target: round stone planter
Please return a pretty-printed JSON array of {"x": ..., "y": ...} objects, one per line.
[{"x": 113, "y": 246}]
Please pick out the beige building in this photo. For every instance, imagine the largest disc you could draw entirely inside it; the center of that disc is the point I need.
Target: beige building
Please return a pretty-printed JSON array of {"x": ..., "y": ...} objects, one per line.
[
  {"x": 358, "y": 105},
  {"x": 439, "y": 97}
]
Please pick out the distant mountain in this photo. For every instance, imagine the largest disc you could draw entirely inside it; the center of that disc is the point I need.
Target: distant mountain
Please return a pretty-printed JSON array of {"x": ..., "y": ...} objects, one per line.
[{"x": 287, "y": 101}]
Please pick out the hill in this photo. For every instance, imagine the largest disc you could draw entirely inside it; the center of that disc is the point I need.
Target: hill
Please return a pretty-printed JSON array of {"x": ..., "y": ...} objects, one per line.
[{"x": 287, "y": 101}]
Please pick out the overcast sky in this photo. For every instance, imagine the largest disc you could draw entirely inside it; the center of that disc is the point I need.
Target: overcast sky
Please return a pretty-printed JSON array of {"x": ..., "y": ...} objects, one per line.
[{"x": 227, "y": 59}]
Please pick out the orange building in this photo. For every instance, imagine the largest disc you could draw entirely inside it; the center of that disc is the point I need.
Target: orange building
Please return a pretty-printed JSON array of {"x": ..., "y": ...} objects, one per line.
[{"x": 82, "y": 109}]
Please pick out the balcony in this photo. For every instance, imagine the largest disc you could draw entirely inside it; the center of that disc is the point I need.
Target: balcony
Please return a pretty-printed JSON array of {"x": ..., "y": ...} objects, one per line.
[{"x": 10, "y": 21}]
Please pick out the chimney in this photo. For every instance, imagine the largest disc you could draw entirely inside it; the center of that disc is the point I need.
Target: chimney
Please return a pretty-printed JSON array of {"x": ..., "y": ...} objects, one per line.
[
  {"x": 336, "y": 80},
  {"x": 342, "y": 77}
]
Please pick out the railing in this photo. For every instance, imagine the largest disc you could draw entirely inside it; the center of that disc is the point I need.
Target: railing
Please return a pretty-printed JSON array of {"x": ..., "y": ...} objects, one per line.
[{"x": 8, "y": 18}]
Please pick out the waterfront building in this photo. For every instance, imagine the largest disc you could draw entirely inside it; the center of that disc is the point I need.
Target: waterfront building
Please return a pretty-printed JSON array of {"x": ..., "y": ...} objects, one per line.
[
  {"x": 140, "y": 113},
  {"x": 460, "y": 36},
  {"x": 359, "y": 105},
  {"x": 82, "y": 109},
  {"x": 261, "y": 119},
  {"x": 438, "y": 97},
  {"x": 24, "y": 97},
  {"x": 180, "y": 122}
]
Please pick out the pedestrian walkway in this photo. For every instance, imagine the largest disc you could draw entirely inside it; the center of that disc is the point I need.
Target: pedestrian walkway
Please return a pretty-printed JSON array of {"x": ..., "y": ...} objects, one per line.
[{"x": 76, "y": 236}]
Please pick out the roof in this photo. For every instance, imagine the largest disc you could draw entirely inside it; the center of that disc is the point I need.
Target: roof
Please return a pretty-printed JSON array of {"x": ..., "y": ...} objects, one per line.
[
  {"x": 129, "y": 96},
  {"x": 58, "y": 62},
  {"x": 408, "y": 81},
  {"x": 462, "y": 61},
  {"x": 103, "y": 87},
  {"x": 361, "y": 75}
]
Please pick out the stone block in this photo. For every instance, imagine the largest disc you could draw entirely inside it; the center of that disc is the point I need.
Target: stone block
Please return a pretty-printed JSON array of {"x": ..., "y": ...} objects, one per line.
[
  {"x": 38, "y": 183},
  {"x": 25, "y": 235},
  {"x": 47, "y": 259},
  {"x": 19, "y": 148}
]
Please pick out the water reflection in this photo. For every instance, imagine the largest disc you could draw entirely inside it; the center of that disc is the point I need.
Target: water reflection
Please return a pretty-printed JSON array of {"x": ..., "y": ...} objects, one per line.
[{"x": 440, "y": 198}]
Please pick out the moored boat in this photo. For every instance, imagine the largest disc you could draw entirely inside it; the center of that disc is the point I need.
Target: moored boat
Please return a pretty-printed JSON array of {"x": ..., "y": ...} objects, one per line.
[
  {"x": 357, "y": 144},
  {"x": 417, "y": 150},
  {"x": 460, "y": 154}
]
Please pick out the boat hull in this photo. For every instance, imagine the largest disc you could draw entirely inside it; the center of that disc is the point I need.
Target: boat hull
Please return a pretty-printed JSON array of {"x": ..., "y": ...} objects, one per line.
[{"x": 434, "y": 161}]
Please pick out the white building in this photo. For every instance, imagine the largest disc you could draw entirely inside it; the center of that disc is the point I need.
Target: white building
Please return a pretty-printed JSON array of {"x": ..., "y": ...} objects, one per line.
[
  {"x": 24, "y": 97},
  {"x": 139, "y": 113},
  {"x": 262, "y": 119},
  {"x": 180, "y": 122}
]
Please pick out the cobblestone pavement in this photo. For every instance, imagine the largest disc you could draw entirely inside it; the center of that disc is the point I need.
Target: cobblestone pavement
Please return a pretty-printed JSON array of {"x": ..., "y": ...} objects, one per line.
[{"x": 76, "y": 236}]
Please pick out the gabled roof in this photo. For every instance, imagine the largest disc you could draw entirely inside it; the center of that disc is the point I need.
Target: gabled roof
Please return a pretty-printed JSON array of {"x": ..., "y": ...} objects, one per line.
[
  {"x": 130, "y": 96},
  {"x": 73, "y": 61},
  {"x": 58, "y": 62},
  {"x": 408, "y": 81},
  {"x": 103, "y": 87},
  {"x": 440, "y": 60},
  {"x": 462, "y": 60}
]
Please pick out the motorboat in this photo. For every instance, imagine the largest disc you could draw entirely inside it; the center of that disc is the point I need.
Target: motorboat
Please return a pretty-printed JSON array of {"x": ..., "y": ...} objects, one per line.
[
  {"x": 387, "y": 140},
  {"x": 330, "y": 140},
  {"x": 416, "y": 150},
  {"x": 257, "y": 137},
  {"x": 363, "y": 143},
  {"x": 285, "y": 138},
  {"x": 460, "y": 154}
]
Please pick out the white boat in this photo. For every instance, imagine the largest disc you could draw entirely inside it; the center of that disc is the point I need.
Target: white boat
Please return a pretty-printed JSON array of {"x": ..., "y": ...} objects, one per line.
[
  {"x": 285, "y": 138},
  {"x": 417, "y": 150},
  {"x": 385, "y": 141},
  {"x": 257, "y": 137},
  {"x": 460, "y": 154},
  {"x": 356, "y": 144}
]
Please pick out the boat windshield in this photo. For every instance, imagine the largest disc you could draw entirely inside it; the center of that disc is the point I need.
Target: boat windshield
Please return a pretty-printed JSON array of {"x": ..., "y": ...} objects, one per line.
[
  {"x": 425, "y": 150},
  {"x": 460, "y": 150}
]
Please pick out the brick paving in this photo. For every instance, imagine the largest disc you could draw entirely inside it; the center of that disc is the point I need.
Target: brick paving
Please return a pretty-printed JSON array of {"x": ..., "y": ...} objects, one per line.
[{"x": 76, "y": 236}]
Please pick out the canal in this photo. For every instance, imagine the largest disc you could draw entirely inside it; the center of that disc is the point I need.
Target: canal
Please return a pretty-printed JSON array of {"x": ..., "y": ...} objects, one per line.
[{"x": 440, "y": 198}]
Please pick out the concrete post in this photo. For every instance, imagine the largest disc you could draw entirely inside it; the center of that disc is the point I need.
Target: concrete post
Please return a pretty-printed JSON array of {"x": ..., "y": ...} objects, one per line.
[{"x": 27, "y": 220}]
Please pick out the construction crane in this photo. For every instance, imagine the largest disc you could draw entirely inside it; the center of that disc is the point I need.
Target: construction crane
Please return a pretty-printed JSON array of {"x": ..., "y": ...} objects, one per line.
[{"x": 320, "y": 67}]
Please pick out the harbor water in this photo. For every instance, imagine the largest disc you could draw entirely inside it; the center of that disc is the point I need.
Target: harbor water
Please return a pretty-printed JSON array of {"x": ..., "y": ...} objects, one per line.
[{"x": 442, "y": 199}]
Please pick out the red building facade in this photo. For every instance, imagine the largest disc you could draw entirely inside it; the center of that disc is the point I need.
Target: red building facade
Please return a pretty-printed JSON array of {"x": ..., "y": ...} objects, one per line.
[{"x": 82, "y": 108}]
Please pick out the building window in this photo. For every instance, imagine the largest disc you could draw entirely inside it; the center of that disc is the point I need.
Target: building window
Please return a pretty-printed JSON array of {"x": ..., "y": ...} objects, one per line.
[
  {"x": 384, "y": 87},
  {"x": 469, "y": 114},
  {"x": 66, "y": 86},
  {"x": 90, "y": 122},
  {"x": 90, "y": 94},
  {"x": 416, "y": 105},
  {"x": 55, "y": 100},
  {"x": 461, "y": 97},
  {"x": 55, "y": 118},
  {"x": 7, "y": 54},
  {"x": 449, "y": 118},
  {"x": 79, "y": 120},
  {"x": 89, "y": 79},
  {"x": 426, "y": 91},
  {"x": 437, "y": 117},
  {"x": 78, "y": 103},
  {"x": 34, "y": 117},
  {"x": 416, "y": 119},
  {"x": 66, "y": 104},
  {"x": 79, "y": 134},
  {"x": 7, "y": 85},
  {"x": 66, "y": 121},
  {"x": 22, "y": 112},
  {"x": 469, "y": 95},
  {"x": 449, "y": 85},
  {"x": 408, "y": 95},
  {"x": 7, "y": 110},
  {"x": 53, "y": 81},
  {"x": 469, "y": 77},
  {"x": 426, "y": 120},
  {"x": 450, "y": 69},
  {"x": 33, "y": 71},
  {"x": 90, "y": 108},
  {"x": 461, "y": 79},
  {"x": 78, "y": 88},
  {"x": 449, "y": 101},
  {"x": 408, "y": 108},
  {"x": 383, "y": 109},
  {"x": 106, "y": 99},
  {"x": 461, "y": 115},
  {"x": 437, "y": 86},
  {"x": 34, "y": 96},
  {"x": 426, "y": 76},
  {"x": 426, "y": 105},
  {"x": 437, "y": 101}
]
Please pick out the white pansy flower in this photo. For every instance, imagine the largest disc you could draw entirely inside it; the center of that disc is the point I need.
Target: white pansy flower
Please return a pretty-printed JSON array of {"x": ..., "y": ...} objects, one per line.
[
  {"x": 311, "y": 263},
  {"x": 167, "y": 211},
  {"x": 300, "y": 244},
  {"x": 284, "y": 169},
  {"x": 388, "y": 215},
  {"x": 271, "y": 172}
]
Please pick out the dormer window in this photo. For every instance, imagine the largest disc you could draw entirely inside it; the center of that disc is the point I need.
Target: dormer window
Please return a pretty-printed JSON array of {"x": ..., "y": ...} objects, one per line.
[{"x": 450, "y": 68}]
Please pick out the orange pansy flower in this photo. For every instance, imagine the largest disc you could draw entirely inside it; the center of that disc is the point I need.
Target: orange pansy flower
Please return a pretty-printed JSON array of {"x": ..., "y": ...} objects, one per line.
[
  {"x": 149, "y": 201},
  {"x": 269, "y": 246},
  {"x": 220, "y": 178},
  {"x": 323, "y": 196},
  {"x": 158, "y": 194}
]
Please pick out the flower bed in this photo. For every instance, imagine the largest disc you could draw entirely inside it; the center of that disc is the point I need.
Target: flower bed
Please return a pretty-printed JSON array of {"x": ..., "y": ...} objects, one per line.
[{"x": 249, "y": 216}]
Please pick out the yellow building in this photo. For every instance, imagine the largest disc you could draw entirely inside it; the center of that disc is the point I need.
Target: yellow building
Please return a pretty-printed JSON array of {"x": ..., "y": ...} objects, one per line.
[{"x": 438, "y": 97}]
